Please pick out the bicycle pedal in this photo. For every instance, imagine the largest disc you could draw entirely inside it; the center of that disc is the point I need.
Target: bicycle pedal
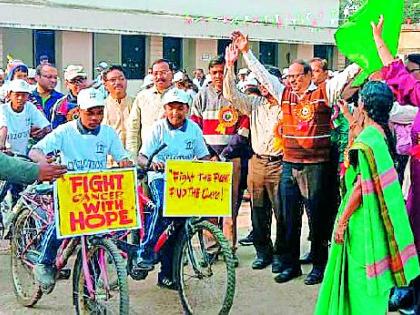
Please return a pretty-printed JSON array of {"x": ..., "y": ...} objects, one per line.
[{"x": 64, "y": 274}]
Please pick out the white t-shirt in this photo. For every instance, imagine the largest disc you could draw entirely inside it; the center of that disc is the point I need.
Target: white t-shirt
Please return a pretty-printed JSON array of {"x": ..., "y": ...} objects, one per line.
[
  {"x": 81, "y": 150},
  {"x": 19, "y": 125},
  {"x": 184, "y": 143}
]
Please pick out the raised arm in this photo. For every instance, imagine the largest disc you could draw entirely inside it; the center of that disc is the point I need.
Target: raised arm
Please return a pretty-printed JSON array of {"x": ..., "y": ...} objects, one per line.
[
  {"x": 239, "y": 100},
  {"x": 270, "y": 82},
  {"x": 336, "y": 84},
  {"x": 404, "y": 86}
]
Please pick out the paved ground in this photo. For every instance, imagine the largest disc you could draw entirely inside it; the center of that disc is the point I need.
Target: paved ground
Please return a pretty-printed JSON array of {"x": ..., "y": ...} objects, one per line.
[{"x": 256, "y": 292}]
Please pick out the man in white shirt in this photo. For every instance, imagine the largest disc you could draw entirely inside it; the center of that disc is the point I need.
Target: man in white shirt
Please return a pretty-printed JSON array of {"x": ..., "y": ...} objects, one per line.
[
  {"x": 18, "y": 117},
  {"x": 84, "y": 145},
  {"x": 147, "y": 107},
  {"x": 184, "y": 140},
  {"x": 118, "y": 104}
]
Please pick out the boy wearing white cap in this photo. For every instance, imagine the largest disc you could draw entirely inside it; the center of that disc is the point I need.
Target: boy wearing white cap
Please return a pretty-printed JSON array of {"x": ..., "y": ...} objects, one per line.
[
  {"x": 184, "y": 140},
  {"x": 84, "y": 145},
  {"x": 18, "y": 117}
]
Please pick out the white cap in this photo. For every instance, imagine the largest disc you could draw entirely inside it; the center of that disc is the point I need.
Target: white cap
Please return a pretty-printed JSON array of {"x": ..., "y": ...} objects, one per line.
[
  {"x": 31, "y": 73},
  {"x": 243, "y": 71},
  {"x": 1, "y": 72},
  {"x": 249, "y": 82},
  {"x": 148, "y": 79},
  {"x": 176, "y": 95},
  {"x": 89, "y": 98},
  {"x": 74, "y": 71},
  {"x": 179, "y": 76},
  {"x": 19, "y": 85},
  {"x": 102, "y": 66}
]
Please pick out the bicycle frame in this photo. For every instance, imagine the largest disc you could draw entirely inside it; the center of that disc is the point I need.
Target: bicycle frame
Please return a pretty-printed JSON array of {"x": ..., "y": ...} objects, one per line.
[{"x": 39, "y": 205}]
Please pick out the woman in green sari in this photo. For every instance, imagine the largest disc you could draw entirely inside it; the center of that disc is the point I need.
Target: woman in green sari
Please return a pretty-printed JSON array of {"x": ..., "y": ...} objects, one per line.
[{"x": 372, "y": 248}]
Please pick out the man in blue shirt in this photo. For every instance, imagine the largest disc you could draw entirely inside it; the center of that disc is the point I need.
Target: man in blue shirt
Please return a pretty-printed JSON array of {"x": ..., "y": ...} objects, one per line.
[
  {"x": 46, "y": 96},
  {"x": 184, "y": 141},
  {"x": 84, "y": 145}
]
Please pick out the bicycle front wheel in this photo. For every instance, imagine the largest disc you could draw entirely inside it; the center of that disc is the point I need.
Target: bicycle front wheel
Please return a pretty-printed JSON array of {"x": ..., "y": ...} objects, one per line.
[
  {"x": 204, "y": 270},
  {"x": 26, "y": 237},
  {"x": 108, "y": 277}
]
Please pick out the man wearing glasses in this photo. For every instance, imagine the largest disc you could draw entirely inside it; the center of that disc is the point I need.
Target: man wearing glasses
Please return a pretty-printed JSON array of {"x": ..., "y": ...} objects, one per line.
[
  {"x": 147, "y": 107},
  {"x": 306, "y": 135},
  {"x": 45, "y": 94}
]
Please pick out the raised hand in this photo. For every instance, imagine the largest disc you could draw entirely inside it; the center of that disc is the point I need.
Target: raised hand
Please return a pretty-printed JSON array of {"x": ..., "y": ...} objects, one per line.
[
  {"x": 377, "y": 29},
  {"x": 240, "y": 41},
  {"x": 231, "y": 55}
]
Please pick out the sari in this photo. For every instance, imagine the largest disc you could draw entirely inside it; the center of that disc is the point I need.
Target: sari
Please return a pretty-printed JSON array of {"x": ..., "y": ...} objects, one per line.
[{"x": 378, "y": 251}]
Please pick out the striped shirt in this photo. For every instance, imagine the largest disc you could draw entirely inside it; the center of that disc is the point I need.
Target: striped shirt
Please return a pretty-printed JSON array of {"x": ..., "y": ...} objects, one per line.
[{"x": 205, "y": 112}]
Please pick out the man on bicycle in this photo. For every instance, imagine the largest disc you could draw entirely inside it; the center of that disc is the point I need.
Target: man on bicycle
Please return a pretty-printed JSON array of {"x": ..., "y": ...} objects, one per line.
[
  {"x": 184, "y": 140},
  {"x": 84, "y": 145}
]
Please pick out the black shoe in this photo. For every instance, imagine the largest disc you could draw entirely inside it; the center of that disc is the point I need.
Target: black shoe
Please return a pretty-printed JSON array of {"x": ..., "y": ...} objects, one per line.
[
  {"x": 277, "y": 265},
  {"x": 144, "y": 264},
  {"x": 315, "y": 276},
  {"x": 306, "y": 259},
  {"x": 166, "y": 283},
  {"x": 288, "y": 274},
  {"x": 400, "y": 298},
  {"x": 260, "y": 263},
  {"x": 247, "y": 240}
]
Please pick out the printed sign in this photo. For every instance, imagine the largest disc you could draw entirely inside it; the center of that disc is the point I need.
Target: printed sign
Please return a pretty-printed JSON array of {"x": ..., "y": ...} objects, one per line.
[
  {"x": 197, "y": 188},
  {"x": 88, "y": 203}
]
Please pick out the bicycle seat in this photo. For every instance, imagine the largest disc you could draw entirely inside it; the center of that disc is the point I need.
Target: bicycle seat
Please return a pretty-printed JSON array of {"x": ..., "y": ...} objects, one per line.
[{"x": 44, "y": 189}]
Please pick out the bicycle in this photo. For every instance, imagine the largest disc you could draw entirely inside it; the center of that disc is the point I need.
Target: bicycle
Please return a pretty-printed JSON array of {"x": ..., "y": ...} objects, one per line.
[
  {"x": 99, "y": 274},
  {"x": 203, "y": 276}
]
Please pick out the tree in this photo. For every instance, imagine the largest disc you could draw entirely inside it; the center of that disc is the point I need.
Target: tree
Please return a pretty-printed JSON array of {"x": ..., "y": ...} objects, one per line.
[{"x": 411, "y": 10}]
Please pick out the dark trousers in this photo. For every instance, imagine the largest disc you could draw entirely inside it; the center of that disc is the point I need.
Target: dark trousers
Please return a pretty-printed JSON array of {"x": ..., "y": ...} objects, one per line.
[
  {"x": 304, "y": 185},
  {"x": 154, "y": 226},
  {"x": 263, "y": 185}
]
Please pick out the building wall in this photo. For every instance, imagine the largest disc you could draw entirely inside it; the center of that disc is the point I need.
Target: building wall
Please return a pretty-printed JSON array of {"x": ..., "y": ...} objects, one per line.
[
  {"x": 2, "y": 65},
  {"x": 19, "y": 44},
  {"x": 189, "y": 55},
  {"x": 106, "y": 47},
  {"x": 155, "y": 49},
  {"x": 77, "y": 48},
  {"x": 409, "y": 40},
  {"x": 305, "y": 51},
  {"x": 205, "y": 50},
  {"x": 286, "y": 54}
]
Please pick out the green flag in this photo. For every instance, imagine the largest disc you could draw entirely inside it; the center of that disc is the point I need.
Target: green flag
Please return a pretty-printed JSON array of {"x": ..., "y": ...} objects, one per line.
[{"x": 355, "y": 38}]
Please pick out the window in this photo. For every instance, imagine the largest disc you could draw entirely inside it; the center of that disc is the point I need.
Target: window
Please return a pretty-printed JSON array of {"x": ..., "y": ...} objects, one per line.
[
  {"x": 44, "y": 46},
  {"x": 133, "y": 55},
  {"x": 325, "y": 52},
  {"x": 221, "y": 46},
  {"x": 268, "y": 53},
  {"x": 172, "y": 50}
]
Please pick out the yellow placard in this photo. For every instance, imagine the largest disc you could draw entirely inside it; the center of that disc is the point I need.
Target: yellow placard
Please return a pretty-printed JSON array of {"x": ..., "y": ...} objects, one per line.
[
  {"x": 88, "y": 203},
  {"x": 197, "y": 188}
]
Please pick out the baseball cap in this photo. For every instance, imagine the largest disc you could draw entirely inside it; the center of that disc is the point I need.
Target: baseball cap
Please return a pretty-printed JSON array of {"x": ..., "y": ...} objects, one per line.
[
  {"x": 148, "y": 79},
  {"x": 31, "y": 73},
  {"x": 74, "y": 71},
  {"x": 179, "y": 76},
  {"x": 243, "y": 71},
  {"x": 102, "y": 66},
  {"x": 89, "y": 98},
  {"x": 176, "y": 95},
  {"x": 19, "y": 85}
]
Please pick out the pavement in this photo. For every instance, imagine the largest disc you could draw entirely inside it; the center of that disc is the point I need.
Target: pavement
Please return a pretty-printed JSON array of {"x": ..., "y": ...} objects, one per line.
[{"x": 256, "y": 291}]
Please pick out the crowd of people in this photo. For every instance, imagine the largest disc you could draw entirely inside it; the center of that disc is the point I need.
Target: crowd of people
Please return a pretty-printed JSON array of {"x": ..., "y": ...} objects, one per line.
[{"x": 291, "y": 136}]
